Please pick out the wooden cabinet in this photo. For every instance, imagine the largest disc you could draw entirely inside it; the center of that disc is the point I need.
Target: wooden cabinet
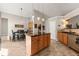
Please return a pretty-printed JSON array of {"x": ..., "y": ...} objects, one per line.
[
  {"x": 36, "y": 43},
  {"x": 40, "y": 42},
  {"x": 60, "y": 36},
  {"x": 48, "y": 40},
  {"x": 45, "y": 40},
  {"x": 63, "y": 37}
]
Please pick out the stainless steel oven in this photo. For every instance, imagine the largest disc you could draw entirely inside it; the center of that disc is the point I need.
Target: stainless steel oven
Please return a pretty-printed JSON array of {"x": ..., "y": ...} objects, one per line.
[{"x": 73, "y": 42}]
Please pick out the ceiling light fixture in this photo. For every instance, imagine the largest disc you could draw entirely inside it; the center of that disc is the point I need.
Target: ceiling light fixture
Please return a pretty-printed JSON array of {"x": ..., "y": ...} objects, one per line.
[
  {"x": 33, "y": 18},
  {"x": 38, "y": 18},
  {"x": 21, "y": 9},
  {"x": 33, "y": 12},
  {"x": 43, "y": 19},
  {"x": 43, "y": 14}
]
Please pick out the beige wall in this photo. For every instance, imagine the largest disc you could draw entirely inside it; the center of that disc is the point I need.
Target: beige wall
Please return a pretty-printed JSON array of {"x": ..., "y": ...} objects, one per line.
[
  {"x": 0, "y": 23},
  {"x": 41, "y": 15},
  {"x": 74, "y": 20},
  {"x": 12, "y": 20}
]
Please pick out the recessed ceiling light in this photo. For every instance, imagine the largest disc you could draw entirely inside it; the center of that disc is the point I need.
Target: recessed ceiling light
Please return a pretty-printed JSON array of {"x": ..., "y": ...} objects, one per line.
[{"x": 43, "y": 19}]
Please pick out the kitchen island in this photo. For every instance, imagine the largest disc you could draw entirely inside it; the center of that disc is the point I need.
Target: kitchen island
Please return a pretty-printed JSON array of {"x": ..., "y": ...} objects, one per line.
[{"x": 36, "y": 43}]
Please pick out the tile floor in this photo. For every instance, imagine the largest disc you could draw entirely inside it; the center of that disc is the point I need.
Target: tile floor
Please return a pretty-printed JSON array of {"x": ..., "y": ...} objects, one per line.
[
  {"x": 15, "y": 48},
  {"x": 18, "y": 48},
  {"x": 57, "y": 49}
]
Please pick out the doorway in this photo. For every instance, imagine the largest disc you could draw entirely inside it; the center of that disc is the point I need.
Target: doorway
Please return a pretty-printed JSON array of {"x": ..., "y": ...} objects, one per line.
[
  {"x": 4, "y": 34},
  {"x": 4, "y": 27},
  {"x": 53, "y": 30}
]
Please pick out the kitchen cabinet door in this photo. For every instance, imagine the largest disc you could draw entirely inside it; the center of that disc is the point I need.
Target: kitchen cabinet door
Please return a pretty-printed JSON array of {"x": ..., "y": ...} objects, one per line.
[
  {"x": 40, "y": 42},
  {"x": 65, "y": 38},
  {"x": 48, "y": 39},
  {"x": 60, "y": 36},
  {"x": 34, "y": 45},
  {"x": 45, "y": 40}
]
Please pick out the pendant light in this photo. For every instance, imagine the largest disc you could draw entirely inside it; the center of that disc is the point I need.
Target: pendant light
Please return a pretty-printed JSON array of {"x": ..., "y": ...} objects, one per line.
[
  {"x": 38, "y": 18},
  {"x": 43, "y": 14},
  {"x": 33, "y": 12},
  {"x": 43, "y": 19},
  {"x": 33, "y": 18},
  {"x": 21, "y": 11}
]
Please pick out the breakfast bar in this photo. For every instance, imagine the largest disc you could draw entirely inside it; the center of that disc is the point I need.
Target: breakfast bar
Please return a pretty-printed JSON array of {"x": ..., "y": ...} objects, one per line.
[{"x": 36, "y": 43}]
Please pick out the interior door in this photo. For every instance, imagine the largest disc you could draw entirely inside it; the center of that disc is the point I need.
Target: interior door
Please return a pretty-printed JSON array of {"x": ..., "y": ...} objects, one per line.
[
  {"x": 52, "y": 29},
  {"x": 4, "y": 27}
]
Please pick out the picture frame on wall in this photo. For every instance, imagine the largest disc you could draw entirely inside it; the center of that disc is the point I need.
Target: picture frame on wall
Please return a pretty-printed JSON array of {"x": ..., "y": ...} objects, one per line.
[{"x": 19, "y": 26}]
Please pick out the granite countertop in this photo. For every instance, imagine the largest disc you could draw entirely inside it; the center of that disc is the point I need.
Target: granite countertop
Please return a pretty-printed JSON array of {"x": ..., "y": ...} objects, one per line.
[
  {"x": 77, "y": 34},
  {"x": 36, "y": 34},
  {"x": 71, "y": 33}
]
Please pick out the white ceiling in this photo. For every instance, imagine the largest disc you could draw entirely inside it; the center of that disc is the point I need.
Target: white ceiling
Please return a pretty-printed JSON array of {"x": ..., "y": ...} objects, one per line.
[{"x": 50, "y": 9}]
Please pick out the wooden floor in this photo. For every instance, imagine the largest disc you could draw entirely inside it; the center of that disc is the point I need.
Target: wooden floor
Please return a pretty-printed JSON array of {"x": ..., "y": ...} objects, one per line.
[{"x": 18, "y": 48}]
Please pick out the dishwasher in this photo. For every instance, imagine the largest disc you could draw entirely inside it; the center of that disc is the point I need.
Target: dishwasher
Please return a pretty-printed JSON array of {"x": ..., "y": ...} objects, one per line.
[{"x": 73, "y": 42}]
